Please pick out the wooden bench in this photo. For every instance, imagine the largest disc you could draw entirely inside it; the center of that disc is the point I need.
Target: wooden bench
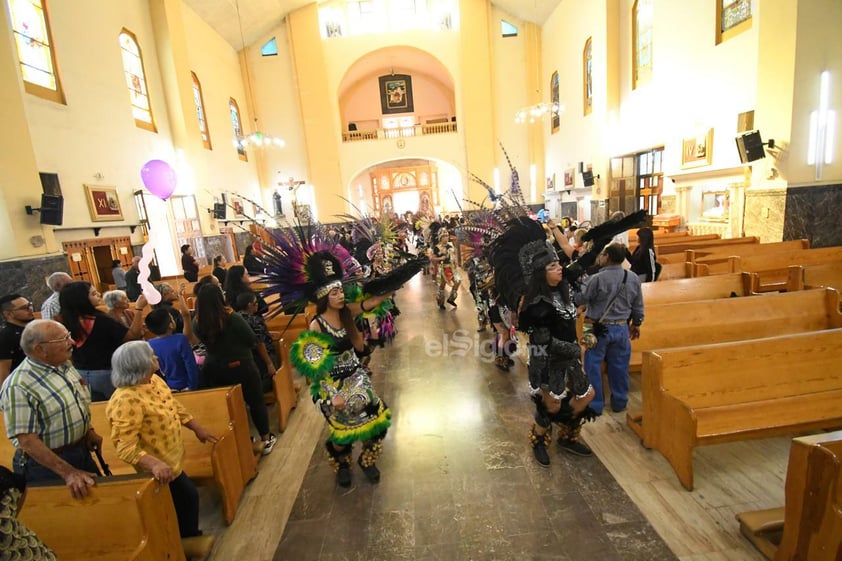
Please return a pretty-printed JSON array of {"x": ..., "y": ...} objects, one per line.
[
  {"x": 809, "y": 526},
  {"x": 672, "y": 271},
  {"x": 227, "y": 465},
  {"x": 283, "y": 388},
  {"x": 812, "y": 276},
  {"x": 122, "y": 518},
  {"x": 718, "y": 260},
  {"x": 670, "y": 250},
  {"x": 726, "y": 392},
  {"x": 732, "y": 319},
  {"x": 773, "y": 268},
  {"x": 701, "y": 288}
]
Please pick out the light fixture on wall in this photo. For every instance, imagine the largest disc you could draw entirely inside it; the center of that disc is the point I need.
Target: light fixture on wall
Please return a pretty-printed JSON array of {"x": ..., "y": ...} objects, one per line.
[
  {"x": 822, "y": 129},
  {"x": 537, "y": 112},
  {"x": 256, "y": 138}
]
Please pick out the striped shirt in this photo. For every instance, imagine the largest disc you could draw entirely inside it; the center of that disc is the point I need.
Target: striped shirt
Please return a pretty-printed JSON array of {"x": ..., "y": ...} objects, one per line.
[
  {"x": 50, "y": 401},
  {"x": 147, "y": 419},
  {"x": 51, "y": 307}
]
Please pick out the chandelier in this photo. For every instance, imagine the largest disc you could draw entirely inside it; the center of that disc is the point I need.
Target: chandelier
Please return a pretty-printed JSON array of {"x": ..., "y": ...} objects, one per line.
[
  {"x": 537, "y": 112},
  {"x": 257, "y": 138}
]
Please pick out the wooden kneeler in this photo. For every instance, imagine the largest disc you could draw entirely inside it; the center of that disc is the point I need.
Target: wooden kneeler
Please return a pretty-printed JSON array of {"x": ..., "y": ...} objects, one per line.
[{"x": 764, "y": 529}]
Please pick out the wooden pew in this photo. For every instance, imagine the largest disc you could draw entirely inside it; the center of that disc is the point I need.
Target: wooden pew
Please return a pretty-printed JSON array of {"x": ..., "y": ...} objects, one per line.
[
  {"x": 122, "y": 518},
  {"x": 228, "y": 465},
  {"x": 733, "y": 319},
  {"x": 774, "y": 268},
  {"x": 701, "y": 288},
  {"x": 727, "y": 392},
  {"x": 812, "y": 276},
  {"x": 809, "y": 526},
  {"x": 289, "y": 327},
  {"x": 717, "y": 259},
  {"x": 705, "y": 245},
  {"x": 284, "y": 393},
  {"x": 672, "y": 271}
]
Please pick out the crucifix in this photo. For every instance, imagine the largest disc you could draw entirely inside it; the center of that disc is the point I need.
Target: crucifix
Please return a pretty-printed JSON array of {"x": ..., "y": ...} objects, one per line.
[{"x": 292, "y": 184}]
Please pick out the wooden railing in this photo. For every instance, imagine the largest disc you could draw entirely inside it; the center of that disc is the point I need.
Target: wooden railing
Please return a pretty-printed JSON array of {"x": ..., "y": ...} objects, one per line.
[{"x": 415, "y": 130}]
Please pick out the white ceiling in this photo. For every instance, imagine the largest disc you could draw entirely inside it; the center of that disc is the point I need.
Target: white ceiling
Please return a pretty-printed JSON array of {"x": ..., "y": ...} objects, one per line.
[{"x": 259, "y": 17}]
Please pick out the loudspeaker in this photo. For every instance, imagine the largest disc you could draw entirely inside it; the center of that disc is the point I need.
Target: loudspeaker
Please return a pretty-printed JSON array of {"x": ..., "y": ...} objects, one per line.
[
  {"x": 581, "y": 167},
  {"x": 50, "y": 184},
  {"x": 587, "y": 178},
  {"x": 352, "y": 127},
  {"x": 52, "y": 209},
  {"x": 219, "y": 211},
  {"x": 750, "y": 146}
]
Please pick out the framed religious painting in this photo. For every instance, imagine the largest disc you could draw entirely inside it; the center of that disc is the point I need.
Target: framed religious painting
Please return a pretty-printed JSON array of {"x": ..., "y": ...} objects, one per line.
[
  {"x": 396, "y": 94},
  {"x": 697, "y": 150},
  {"x": 103, "y": 203}
]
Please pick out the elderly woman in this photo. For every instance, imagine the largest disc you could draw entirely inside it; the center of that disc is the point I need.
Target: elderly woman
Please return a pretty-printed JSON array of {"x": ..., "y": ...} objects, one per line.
[
  {"x": 146, "y": 428},
  {"x": 118, "y": 307}
]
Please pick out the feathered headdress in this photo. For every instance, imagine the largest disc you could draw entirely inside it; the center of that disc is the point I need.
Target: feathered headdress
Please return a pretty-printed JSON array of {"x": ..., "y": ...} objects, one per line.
[
  {"x": 304, "y": 264},
  {"x": 517, "y": 254}
]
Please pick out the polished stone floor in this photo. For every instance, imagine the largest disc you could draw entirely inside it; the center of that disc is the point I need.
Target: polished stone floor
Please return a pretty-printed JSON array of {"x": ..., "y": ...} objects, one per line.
[{"x": 458, "y": 478}]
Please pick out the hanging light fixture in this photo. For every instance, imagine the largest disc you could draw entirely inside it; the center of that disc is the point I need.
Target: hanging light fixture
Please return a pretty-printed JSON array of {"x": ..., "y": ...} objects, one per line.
[
  {"x": 537, "y": 112},
  {"x": 256, "y": 138}
]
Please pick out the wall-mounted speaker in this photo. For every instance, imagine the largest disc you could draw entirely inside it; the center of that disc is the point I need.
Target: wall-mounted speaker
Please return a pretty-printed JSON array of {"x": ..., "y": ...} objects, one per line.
[
  {"x": 750, "y": 146},
  {"x": 587, "y": 178},
  {"x": 219, "y": 211},
  {"x": 52, "y": 209}
]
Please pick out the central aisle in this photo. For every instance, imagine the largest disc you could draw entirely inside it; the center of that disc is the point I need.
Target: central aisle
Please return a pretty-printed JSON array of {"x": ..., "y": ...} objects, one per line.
[{"x": 458, "y": 478}]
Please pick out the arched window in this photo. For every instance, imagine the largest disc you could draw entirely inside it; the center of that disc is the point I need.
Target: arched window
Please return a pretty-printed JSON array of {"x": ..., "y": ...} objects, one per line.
[
  {"x": 237, "y": 125},
  {"x": 555, "y": 100},
  {"x": 642, "y": 42},
  {"x": 199, "y": 102},
  {"x": 587, "y": 77},
  {"x": 31, "y": 29},
  {"x": 136, "y": 81}
]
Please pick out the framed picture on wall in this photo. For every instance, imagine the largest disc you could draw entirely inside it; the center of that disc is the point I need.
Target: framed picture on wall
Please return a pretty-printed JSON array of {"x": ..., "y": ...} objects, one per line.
[
  {"x": 697, "y": 151},
  {"x": 555, "y": 118},
  {"x": 396, "y": 94},
  {"x": 103, "y": 203}
]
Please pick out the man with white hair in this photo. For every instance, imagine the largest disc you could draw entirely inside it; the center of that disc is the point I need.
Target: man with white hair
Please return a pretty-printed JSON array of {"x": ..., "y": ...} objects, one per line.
[
  {"x": 46, "y": 407},
  {"x": 51, "y": 307}
]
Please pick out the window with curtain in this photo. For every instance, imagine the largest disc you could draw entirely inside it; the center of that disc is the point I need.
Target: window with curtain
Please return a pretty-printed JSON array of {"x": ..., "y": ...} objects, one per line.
[
  {"x": 36, "y": 57},
  {"x": 199, "y": 102},
  {"x": 732, "y": 18},
  {"x": 237, "y": 125},
  {"x": 587, "y": 77},
  {"x": 642, "y": 42},
  {"x": 136, "y": 81}
]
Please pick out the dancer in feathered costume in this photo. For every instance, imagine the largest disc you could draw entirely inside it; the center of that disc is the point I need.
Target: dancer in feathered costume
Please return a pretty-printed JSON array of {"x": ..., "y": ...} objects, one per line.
[
  {"x": 305, "y": 265},
  {"x": 530, "y": 278},
  {"x": 444, "y": 257}
]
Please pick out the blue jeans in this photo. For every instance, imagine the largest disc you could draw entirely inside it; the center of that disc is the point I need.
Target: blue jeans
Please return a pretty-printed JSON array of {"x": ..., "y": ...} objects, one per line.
[
  {"x": 613, "y": 347},
  {"x": 99, "y": 381},
  {"x": 78, "y": 457}
]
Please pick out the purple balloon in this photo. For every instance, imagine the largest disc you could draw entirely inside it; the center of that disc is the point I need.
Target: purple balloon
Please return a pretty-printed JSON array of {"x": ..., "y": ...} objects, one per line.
[{"x": 159, "y": 178}]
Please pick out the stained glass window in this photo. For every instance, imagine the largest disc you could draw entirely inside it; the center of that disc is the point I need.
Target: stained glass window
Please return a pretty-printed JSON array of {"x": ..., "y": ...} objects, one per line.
[
  {"x": 136, "y": 81},
  {"x": 237, "y": 125},
  {"x": 199, "y": 102},
  {"x": 642, "y": 37},
  {"x": 587, "y": 76},
  {"x": 733, "y": 17},
  {"x": 34, "y": 46}
]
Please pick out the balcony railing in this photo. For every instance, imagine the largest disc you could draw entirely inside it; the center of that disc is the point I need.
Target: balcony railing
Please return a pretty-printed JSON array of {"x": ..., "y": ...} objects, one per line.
[{"x": 415, "y": 130}]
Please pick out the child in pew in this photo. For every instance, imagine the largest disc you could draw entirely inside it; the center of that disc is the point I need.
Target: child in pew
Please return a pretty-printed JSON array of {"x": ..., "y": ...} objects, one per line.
[
  {"x": 16, "y": 540},
  {"x": 265, "y": 355},
  {"x": 175, "y": 355}
]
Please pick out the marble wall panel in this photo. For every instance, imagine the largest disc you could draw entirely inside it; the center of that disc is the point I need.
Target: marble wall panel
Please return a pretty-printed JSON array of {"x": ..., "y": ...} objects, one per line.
[
  {"x": 764, "y": 214},
  {"x": 26, "y": 277},
  {"x": 814, "y": 213}
]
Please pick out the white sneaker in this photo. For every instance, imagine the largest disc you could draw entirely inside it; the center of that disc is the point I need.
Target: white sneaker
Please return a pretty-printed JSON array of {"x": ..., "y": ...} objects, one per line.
[{"x": 269, "y": 444}]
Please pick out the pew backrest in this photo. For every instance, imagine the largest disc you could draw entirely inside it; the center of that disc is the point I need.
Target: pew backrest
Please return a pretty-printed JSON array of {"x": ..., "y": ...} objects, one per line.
[
  {"x": 121, "y": 518},
  {"x": 700, "y": 288}
]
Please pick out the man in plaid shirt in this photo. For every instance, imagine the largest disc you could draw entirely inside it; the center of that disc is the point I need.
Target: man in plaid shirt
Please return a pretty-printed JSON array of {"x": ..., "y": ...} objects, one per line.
[{"x": 46, "y": 408}]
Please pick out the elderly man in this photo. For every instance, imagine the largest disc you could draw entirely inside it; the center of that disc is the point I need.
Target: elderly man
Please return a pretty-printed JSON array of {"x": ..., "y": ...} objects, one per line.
[
  {"x": 51, "y": 307},
  {"x": 17, "y": 312},
  {"x": 46, "y": 406},
  {"x": 132, "y": 286}
]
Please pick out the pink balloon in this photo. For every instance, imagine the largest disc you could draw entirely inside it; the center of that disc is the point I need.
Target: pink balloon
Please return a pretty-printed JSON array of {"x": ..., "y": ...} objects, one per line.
[{"x": 159, "y": 178}]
